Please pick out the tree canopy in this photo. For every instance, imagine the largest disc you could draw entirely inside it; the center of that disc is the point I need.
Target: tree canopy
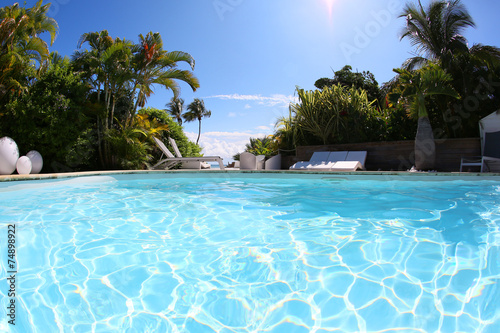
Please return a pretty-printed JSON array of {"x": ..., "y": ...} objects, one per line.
[
  {"x": 83, "y": 113},
  {"x": 437, "y": 33},
  {"x": 347, "y": 78},
  {"x": 21, "y": 46}
]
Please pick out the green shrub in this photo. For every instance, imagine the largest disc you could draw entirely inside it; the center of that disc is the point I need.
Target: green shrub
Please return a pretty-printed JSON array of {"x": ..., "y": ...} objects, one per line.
[
  {"x": 51, "y": 119},
  {"x": 175, "y": 131}
]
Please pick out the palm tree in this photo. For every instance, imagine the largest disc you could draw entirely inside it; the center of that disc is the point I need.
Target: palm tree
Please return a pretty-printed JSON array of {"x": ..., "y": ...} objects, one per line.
[
  {"x": 40, "y": 22},
  {"x": 437, "y": 34},
  {"x": 91, "y": 61},
  {"x": 20, "y": 44},
  {"x": 262, "y": 146},
  {"x": 122, "y": 71},
  {"x": 414, "y": 87},
  {"x": 175, "y": 108},
  {"x": 286, "y": 131},
  {"x": 107, "y": 66},
  {"x": 153, "y": 65},
  {"x": 197, "y": 110}
]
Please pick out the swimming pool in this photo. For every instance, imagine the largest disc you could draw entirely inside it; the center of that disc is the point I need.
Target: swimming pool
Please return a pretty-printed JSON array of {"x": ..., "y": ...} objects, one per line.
[{"x": 252, "y": 252}]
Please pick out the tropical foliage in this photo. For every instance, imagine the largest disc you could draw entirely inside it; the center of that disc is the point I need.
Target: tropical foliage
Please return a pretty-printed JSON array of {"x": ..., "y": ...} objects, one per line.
[
  {"x": 414, "y": 88},
  {"x": 175, "y": 131},
  {"x": 336, "y": 114},
  {"x": 437, "y": 33},
  {"x": 123, "y": 74},
  {"x": 447, "y": 84},
  {"x": 175, "y": 108},
  {"x": 23, "y": 53},
  {"x": 83, "y": 113},
  {"x": 52, "y": 119},
  {"x": 347, "y": 78},
  {"x": 267, "y": 146}
]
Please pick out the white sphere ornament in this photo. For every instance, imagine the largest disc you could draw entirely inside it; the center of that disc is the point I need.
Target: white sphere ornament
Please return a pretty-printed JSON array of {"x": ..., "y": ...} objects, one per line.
[
  {"x": 36, "y": 161},
  {"x": 23, "y": 165},
  {"x": 9, "y": 154}
]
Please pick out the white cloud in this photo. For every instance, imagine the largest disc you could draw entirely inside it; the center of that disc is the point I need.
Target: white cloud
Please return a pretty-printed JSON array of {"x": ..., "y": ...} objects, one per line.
[
  {"x": 273, "y": 100},
  {"x": 231, "y": 114},
  {"x": 248, "y": 106},
  {"x": 224, "y": 144},
  {"x": 263, "y": 128}
]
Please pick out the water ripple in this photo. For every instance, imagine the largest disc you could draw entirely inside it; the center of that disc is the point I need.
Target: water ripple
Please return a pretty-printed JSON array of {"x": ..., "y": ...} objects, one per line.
[{"x": 247, "y": 255}]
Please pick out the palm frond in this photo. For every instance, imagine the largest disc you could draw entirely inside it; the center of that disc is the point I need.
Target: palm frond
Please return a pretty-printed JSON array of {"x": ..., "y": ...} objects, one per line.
[
  {"x": 170, "y": 59},
  {"x": 415, "y": 63},
  {"x": 182, "y": 75},
  {"x": 437, "y": 29},
  {"x": 488, "y": 55}
]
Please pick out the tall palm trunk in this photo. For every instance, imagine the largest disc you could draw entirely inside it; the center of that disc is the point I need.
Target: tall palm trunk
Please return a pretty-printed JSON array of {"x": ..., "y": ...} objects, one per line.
[
  {"x": 199, "y": 130},
  {"x": 425, "y": 147}
]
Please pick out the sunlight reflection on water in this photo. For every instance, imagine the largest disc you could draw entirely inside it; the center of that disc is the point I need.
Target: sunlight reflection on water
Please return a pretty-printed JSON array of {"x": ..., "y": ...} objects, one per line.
[{"x": 250, "y": 253}]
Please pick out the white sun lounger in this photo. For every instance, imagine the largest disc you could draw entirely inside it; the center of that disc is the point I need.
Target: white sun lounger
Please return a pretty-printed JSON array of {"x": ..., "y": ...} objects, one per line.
[
  {"x": 333, "y": 157},
  {"x": 333, "y": 161},
  {"x": 317, "y": 158},
  {"x": 354, "y": 160},
  {"x": 171, "y": 160},
  {"x": 188, "y": 164}
]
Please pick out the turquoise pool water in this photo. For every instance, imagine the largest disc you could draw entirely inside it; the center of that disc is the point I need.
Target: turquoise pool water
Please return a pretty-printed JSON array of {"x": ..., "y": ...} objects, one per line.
[{"x": 252, "y": 253}]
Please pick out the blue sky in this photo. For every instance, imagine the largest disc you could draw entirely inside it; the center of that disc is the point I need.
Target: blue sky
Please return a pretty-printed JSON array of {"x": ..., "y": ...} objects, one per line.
[{"x": 251, "y": 54}]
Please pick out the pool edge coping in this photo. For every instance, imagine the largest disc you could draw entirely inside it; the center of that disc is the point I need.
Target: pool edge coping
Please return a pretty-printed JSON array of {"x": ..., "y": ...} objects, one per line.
[{"x": 47, "y": 176}]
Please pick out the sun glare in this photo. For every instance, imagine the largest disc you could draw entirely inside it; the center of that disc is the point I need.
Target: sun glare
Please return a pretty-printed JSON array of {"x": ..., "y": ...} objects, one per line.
[{"x": 329, "y": 6}]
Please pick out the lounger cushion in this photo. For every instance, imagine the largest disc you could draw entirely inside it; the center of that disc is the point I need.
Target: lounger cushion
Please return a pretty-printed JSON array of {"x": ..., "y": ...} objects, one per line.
[
  {"x": 336, "y": 156},
  {"x": 359, "y": 156},
  {"x": 347, "y": 166},
  {"x": 317, "y": 157}
]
